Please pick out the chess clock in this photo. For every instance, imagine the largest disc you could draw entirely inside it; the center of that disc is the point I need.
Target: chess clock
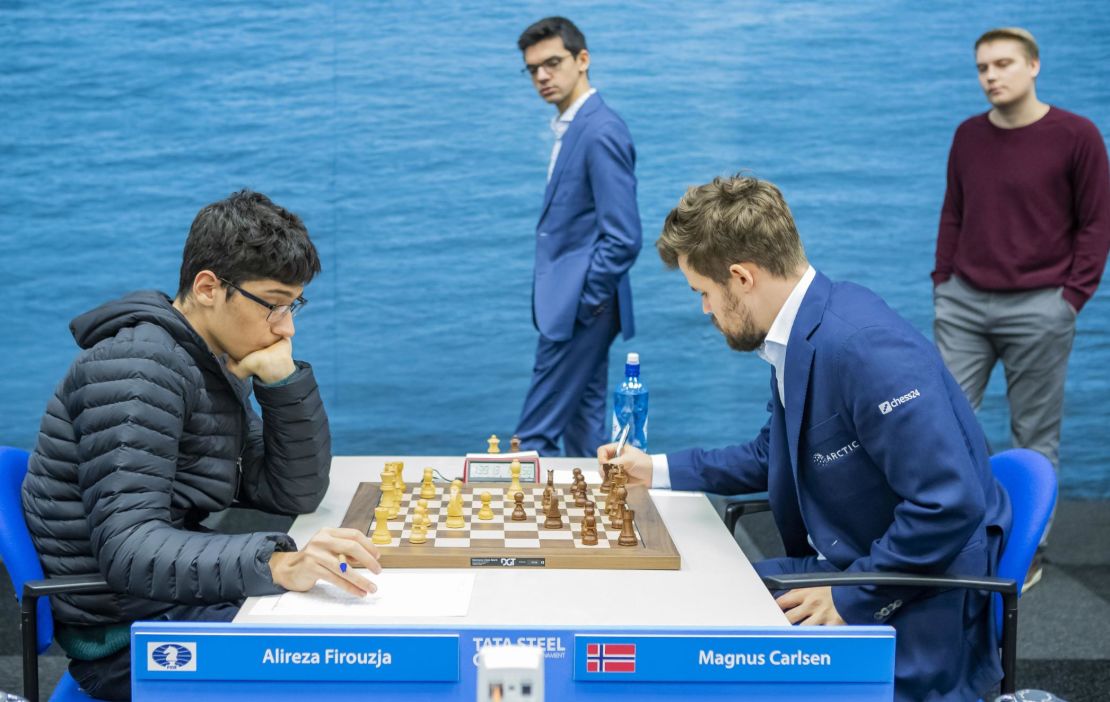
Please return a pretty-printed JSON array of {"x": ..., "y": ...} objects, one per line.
[{"x": 494, "y": 467}]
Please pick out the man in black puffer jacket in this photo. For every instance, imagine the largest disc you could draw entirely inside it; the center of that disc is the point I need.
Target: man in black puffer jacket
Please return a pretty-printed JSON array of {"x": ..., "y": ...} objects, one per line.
[{"x": 151, "y": 430}]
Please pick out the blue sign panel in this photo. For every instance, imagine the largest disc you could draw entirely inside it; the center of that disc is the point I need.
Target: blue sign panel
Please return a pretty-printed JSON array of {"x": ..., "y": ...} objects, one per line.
[
  {"x": 340, "y": 656},
  {"x": 823, "y": 657},
  {"x": 263, "y": 663}
]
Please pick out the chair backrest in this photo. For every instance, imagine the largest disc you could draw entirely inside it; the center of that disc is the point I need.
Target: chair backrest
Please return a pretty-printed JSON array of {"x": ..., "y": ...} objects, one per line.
[
  {"x": 16, "y": 548},
  {"x": 1030, "y": 482}
]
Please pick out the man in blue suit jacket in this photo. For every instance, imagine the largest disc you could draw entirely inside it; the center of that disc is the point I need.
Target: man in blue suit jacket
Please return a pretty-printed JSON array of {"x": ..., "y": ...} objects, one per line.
[
  {"x": 872, "y": 457},
  {"x": 587, "y": 239}
]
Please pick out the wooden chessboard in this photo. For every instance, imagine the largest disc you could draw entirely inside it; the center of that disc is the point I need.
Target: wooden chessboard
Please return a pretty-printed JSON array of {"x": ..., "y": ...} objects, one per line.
[{"x": 501, "y": 542}]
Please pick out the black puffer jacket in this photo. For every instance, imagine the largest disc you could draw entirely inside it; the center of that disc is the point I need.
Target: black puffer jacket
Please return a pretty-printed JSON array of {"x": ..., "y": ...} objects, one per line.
[{"x": 146, "y": 436}]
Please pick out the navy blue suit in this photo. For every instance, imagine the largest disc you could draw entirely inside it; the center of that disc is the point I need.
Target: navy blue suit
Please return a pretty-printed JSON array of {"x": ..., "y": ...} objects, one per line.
[
  {"x": 878, "y": 458},
  {"x": 587, "y": 239}
]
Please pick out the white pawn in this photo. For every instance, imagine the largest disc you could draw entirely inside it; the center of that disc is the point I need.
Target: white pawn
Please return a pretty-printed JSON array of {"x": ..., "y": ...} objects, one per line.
[
  {"x": 427, "y": 488},
  {"x": 486, "y": 512}
]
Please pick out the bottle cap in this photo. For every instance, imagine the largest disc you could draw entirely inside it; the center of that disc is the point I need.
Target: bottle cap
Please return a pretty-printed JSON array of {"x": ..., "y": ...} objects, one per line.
[{"x": 632, "y": 366}]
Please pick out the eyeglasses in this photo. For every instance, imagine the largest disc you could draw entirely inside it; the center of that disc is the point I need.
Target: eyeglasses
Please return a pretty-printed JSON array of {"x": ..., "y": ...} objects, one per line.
[
  {"x": 277, "y": 312},
  {"x": 549, "y": 65}
]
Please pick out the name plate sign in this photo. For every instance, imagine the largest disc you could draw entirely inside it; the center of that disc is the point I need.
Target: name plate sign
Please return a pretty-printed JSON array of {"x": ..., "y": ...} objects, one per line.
[
  {"x": 733, "y": 658},
  {"x": 298, "y": 656}
]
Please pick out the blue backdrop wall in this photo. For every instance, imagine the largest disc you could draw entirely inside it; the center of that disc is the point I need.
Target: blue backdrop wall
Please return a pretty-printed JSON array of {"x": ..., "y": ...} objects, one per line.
[{"x": 405, "y": 136}]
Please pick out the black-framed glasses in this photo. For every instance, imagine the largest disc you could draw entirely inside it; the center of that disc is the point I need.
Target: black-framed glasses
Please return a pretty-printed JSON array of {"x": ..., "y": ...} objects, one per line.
[
  {"x": 549, "y": 65},
  {"x": 277, "y": 312}
]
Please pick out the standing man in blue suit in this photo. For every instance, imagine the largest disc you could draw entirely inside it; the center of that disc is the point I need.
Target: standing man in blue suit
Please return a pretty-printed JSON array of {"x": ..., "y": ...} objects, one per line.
[
  {"x": 587, "y": 239},
  {"x": 872, "y": 457}
]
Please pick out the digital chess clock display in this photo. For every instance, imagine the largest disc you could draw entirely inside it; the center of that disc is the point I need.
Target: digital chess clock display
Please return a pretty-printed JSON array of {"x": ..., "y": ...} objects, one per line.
[{"x": 486, "y": 470}]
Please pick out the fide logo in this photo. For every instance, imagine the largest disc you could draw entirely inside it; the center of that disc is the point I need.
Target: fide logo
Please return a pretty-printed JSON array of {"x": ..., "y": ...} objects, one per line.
[{"x": 171, "y": 656}]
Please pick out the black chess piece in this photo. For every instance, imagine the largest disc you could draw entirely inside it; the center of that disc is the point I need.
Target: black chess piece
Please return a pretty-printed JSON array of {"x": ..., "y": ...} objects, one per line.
[
  {"x": 628, "y": 534},
  {"x": 616, "y": 518},
  {"x": 616, "y": 498},
  {"x": 519, "y": 514},
  {"x": 554, "y": 518},
  {"x": 589, "y": 530},
  {"x": 619, "y": 477}
]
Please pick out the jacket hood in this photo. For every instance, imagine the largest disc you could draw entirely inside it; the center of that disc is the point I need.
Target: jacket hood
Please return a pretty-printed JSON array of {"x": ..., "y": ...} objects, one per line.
[{"x": 132, "y": 309}]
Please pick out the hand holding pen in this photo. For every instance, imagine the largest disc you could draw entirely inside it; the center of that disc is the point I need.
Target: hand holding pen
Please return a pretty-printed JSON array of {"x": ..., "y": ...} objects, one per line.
[
  {"x": 635, "y": 462},
  {"x": 329, "y": 555}
]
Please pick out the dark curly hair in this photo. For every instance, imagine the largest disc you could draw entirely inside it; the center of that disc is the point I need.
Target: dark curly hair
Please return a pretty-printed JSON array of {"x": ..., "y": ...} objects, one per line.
[{"x": 247, "y": 237}]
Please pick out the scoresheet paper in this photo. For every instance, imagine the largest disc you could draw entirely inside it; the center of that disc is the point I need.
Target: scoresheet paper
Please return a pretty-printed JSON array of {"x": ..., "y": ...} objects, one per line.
[{"x": 429, "y": 594}]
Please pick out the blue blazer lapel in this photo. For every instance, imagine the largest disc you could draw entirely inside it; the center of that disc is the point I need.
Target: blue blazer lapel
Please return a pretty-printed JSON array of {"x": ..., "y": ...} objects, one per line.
[
  {"x": 570, "y": 141},
  {"x": 799, "y": 360},
  {"x": 782, "y": 488}
]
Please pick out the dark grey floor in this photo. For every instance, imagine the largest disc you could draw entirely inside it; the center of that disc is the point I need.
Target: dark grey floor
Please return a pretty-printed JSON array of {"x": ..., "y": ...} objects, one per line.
[{"x": 1064, "y": 640}]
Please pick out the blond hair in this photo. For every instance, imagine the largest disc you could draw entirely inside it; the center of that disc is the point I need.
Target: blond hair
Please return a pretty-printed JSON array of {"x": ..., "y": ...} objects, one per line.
[
  {"x": 1021, "y": 36},
  {"x": 732, "y": 220}
]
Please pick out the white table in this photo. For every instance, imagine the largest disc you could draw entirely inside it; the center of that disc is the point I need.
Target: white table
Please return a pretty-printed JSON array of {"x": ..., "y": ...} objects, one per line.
[{"x": 716, "y": 586}]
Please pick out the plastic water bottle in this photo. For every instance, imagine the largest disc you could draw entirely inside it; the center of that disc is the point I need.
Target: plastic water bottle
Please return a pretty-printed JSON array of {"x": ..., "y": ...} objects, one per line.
[{"x": 630, "y": 405}]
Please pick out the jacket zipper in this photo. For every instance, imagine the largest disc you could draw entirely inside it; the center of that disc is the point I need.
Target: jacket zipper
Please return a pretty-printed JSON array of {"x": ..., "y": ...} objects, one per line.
[{"x": 238, "y": 475}]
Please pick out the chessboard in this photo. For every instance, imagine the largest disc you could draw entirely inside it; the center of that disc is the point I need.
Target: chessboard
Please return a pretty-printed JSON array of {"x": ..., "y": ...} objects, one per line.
[{"x": 501, "y": 542}]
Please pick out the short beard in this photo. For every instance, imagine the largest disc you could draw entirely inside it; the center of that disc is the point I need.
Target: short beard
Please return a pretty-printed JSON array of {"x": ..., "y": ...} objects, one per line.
[{"x": 749, "y": 337}]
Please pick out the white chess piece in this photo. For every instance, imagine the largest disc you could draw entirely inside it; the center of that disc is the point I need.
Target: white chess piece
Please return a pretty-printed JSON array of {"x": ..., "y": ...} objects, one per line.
[
  {"x": 514, "y": 487},
  {"x": 455, "y": 508}
]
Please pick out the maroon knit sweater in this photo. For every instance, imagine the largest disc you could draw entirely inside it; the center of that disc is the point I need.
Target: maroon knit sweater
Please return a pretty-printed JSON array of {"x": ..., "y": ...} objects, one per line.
[{"x": 1027, "y": 208}]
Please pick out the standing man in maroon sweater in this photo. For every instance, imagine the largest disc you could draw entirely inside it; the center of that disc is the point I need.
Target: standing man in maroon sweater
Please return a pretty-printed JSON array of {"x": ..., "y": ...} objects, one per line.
[{"x": 1023, "y": 239}]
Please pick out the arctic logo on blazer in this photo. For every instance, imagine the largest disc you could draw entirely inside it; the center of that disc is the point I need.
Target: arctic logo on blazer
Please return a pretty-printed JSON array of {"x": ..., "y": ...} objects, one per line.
[
  {"x": 822, "y": 459},
  {"x": 891, "y": 405}
]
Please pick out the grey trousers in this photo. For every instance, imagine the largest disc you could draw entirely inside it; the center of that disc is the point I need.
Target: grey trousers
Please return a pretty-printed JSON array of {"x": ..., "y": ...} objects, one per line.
[{"x": 1031, "y": 332}]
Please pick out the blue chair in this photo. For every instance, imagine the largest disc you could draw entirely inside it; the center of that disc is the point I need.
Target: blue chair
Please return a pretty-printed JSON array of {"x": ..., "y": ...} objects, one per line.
[
  {"x": 22, "y": 562},
  {"x": 1030, "y": 482}
]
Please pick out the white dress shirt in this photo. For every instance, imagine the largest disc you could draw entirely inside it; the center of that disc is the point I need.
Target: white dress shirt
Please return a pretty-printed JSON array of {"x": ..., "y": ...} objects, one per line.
[
  {"x": 560, "y": 124},
  {"x": 773, "y": 348}
]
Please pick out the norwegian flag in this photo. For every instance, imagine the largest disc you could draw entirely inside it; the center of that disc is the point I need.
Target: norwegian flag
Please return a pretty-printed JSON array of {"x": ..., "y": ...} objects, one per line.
[{"x": 611, "y": 658}]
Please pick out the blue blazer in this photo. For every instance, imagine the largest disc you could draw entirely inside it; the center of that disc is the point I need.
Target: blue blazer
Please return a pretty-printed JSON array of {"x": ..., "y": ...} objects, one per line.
[
  {"x": 878, "y": 457},
  {"x": 588, "y": 235}
]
